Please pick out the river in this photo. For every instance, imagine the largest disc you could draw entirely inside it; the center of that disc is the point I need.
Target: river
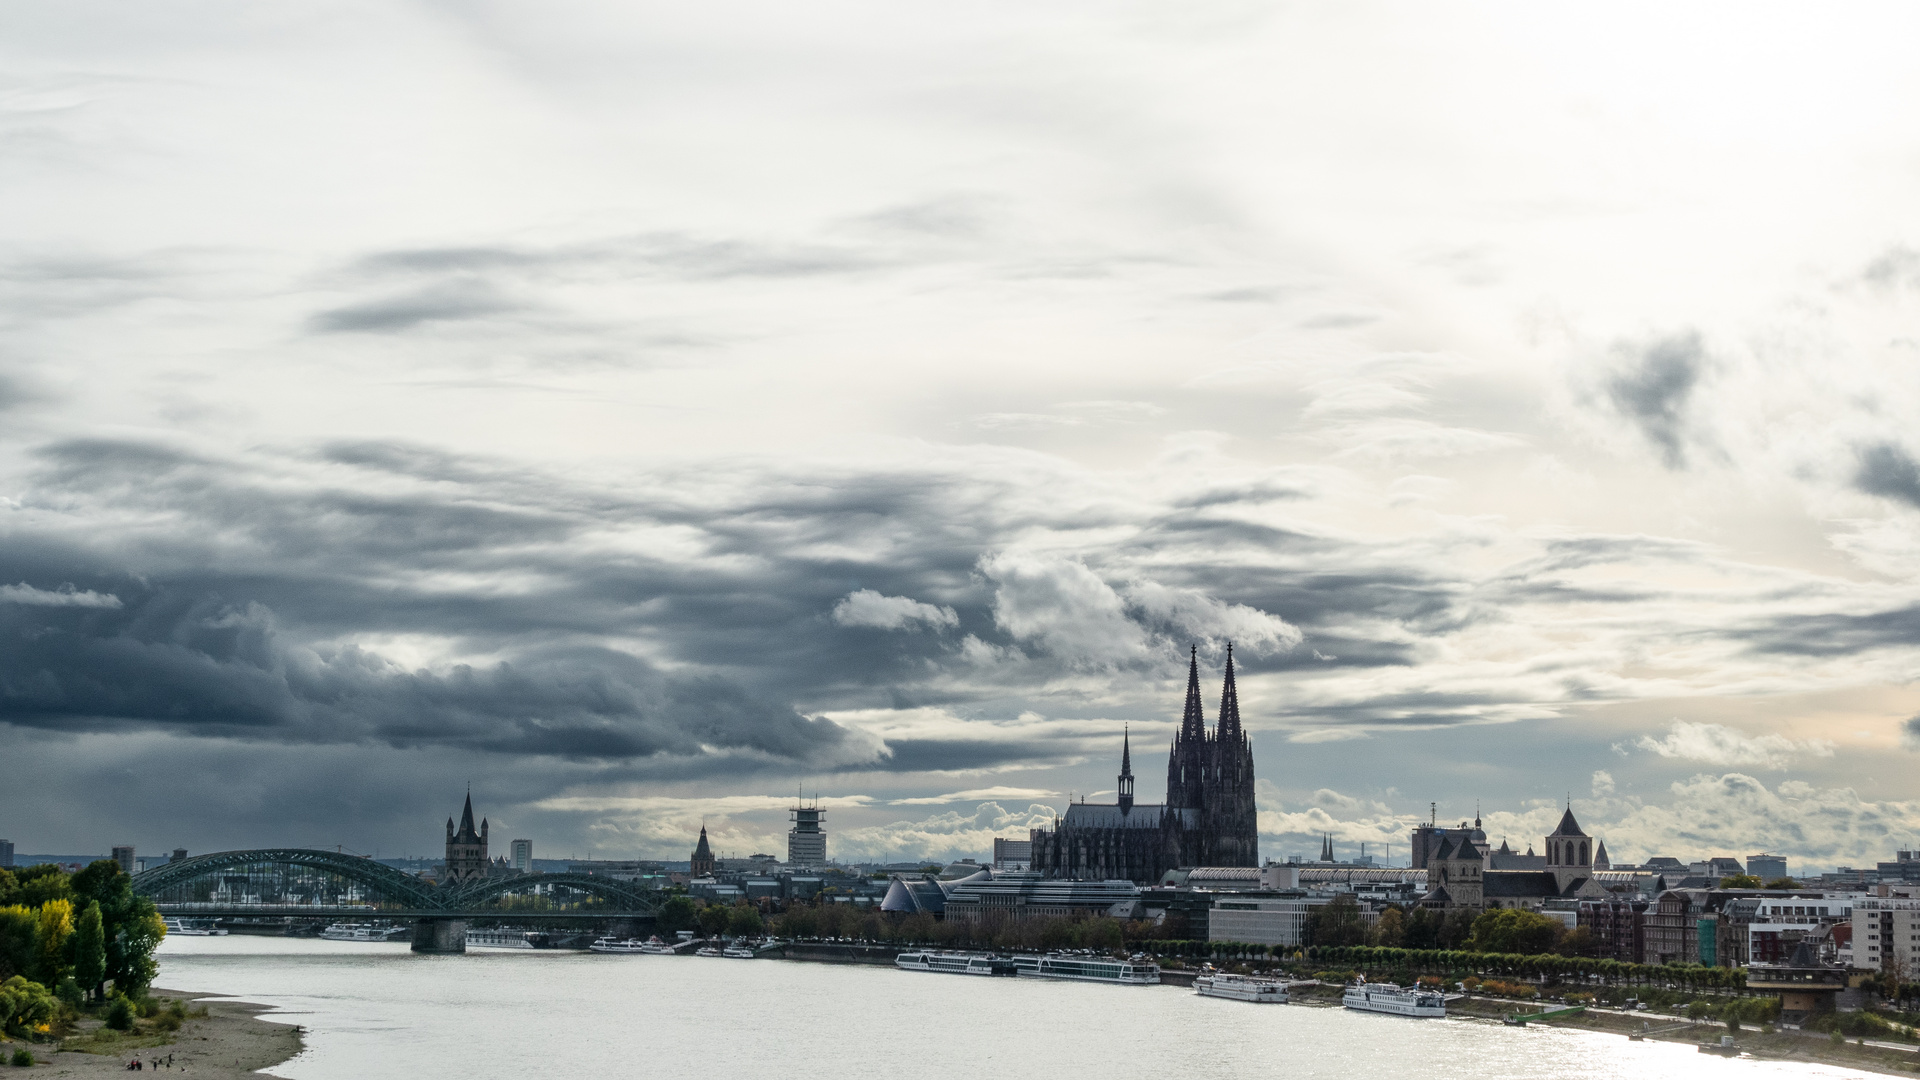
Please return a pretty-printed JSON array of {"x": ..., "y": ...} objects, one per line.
[{"x": 378, "y": 1010}]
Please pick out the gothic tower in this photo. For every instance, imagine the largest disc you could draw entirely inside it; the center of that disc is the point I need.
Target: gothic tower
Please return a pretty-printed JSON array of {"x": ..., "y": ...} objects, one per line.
[
  {"x": 1187, "y": 763},
  {"x": 1232, "y": 819},
  {"x": 1126, "y": 772}
]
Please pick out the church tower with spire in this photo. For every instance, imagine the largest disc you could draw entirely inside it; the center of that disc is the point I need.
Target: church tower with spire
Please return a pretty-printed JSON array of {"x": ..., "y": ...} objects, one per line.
[
  {"x": 466, "y": 847},
  {"x": 702, "y": 863},
  {"x": 1208, "y": 818},
  {"x": 1231, "y": 820}
]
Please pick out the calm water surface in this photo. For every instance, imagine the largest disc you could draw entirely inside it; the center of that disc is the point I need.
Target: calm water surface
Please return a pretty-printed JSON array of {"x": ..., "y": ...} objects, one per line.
[{"x": 380, "y": 1011}]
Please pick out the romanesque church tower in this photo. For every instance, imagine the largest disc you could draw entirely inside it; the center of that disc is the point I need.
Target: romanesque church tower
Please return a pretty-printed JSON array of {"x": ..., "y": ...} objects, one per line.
[{"x": 466, "y": 849}]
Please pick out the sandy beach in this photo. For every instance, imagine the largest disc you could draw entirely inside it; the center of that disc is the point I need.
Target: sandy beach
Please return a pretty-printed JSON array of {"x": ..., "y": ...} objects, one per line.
[{"x": 229, "y": 1042}]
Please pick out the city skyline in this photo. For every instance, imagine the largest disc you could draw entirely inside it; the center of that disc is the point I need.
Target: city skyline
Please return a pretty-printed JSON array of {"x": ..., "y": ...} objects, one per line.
[{"x": 635, "y": 411}]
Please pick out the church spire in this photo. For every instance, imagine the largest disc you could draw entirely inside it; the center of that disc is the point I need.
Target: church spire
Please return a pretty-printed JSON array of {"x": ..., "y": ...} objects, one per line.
[
  {"x": 1326, "y": 848},
  {"x": 1229, "y": 705},
  {"x": 467, "y": 834},
  {"x": 1193, "y": 724},
  {"x": 1126, "y": 771}
]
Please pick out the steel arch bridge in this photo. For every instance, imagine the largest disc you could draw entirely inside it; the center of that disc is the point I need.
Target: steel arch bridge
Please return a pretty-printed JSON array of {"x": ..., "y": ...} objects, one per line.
[{"x": 389, "y": 892}]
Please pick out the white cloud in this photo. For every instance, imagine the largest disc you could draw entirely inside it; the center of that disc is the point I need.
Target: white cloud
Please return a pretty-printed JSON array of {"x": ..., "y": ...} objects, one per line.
[
  {"x": 977, "y": 794},
  {"x": 950, "y": 835},
  {"x": 65, "y": 596},
  {"x": 1060, "y": 606},
  {"x": 1194, "y": 614},
  {"x": 865, "y": 607},
  {"x": 1716, "y": 744},
  {"x": 1602, "y": 783}
]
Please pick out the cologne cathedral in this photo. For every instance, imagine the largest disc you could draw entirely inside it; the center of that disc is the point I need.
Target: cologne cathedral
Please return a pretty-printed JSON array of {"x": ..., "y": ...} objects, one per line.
[{"x": 1207, "y": 820}]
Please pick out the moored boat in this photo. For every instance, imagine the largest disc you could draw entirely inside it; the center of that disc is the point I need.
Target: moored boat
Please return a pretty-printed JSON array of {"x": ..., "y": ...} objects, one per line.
[
  {"x": 506, "y": 937},
  {"x": 364, "y": 932},
  {"x": 1394, "y": 1000},
  {"x": 1255, "y": 988},
  {"x": 1089, "y": 967},
  {"x": 194, "y": 928},
  {"x": 955, "y": 963},
  {"x": 656, "y": 947},
  {"x": 617, "y": 945}
]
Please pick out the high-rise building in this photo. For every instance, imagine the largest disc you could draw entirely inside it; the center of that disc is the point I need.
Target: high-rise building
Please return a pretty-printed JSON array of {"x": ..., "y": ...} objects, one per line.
[
  {"x": 1012, "y": 854},
  {"x": 1767, "y": 867},
  {"x": 123, "y": 854},
  {"x": 179, "y": 855},
  {"x": 6, "y": 854},
  {"x": 523, "y": 856},
  {"x": 1207, "y": 820},
  {"x": 807, "y": 840},
  {"x": 466, "y": 848}
]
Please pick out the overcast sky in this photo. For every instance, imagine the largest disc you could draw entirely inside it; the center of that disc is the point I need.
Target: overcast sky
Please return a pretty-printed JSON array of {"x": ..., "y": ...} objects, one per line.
[{"x": 641, "y": 410}]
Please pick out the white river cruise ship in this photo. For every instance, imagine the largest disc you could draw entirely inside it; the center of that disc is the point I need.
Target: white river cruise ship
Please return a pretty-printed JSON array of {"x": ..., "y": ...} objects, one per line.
[
  {"x": 953, "y": 963},
  {"x": 1081, "y": 967},
  {"x": 1220, "y": 984},
  {"x": 1388, "y": 998}
]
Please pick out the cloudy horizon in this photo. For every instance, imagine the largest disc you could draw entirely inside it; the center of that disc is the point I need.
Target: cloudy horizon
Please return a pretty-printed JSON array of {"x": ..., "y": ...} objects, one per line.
[{"x": 643, "y": 414}]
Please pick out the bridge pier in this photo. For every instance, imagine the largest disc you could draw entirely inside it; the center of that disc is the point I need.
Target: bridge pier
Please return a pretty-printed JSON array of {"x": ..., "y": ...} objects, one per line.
[{"x": 440, "y": 935}]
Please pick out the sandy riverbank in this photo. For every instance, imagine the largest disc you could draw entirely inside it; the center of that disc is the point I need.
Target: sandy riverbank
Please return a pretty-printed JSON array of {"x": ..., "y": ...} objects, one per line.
[{"x": 226, "y": 1044}]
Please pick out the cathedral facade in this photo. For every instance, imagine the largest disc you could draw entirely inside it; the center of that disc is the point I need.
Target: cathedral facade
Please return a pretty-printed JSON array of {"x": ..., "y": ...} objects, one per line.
[{"x": 1208, "y": 818}]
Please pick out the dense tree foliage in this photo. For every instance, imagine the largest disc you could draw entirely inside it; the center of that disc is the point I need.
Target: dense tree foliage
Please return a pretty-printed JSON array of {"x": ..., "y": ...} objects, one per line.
[
  {"x": 40, "y": 935},
  {"x": 90, "y": 950},
  {"x": 1514, "y": 930}
]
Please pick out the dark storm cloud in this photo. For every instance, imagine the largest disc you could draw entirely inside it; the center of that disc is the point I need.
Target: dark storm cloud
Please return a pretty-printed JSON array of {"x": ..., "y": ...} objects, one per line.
[
  {"x": 244, "y": 584},
  {"x": 199, "y": 665},
  {"x": 1887, "y": 470},
  {"x": 1654, "y": 389}
]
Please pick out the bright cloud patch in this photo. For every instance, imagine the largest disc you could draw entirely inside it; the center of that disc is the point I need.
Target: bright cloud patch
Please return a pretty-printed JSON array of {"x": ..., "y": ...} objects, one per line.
[
  {"x": 1716, "y": 744},
  {"x": 865, "y": 607},
  {"x": 65, "y": 596}
]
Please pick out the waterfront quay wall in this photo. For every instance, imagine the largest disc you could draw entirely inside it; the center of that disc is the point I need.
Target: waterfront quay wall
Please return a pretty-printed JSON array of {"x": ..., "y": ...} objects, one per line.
[{"x": 831, "y": 952}]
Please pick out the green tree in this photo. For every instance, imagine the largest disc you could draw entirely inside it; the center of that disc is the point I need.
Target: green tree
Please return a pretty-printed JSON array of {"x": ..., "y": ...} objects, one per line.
[
  {"x": 41, "y": 883},
  {"x": 9, "y": 888},
  {"x": 675, "y": 915},
  {"x": 713, "y": 920},
  {"x": 90, "y": 950},
  {"x": 129, "y": 923},
  {"x": 1336, "y": 923},
  {"x": 1514, "y": 930},
  {"x": 1783, "y": 883},
  {"x": 1456, "y": 928},
  {"x": 19, "y": 940},
  {"x": 1390, "y": 931},
  {"x": 56, "y": 925},
  {"x": 1740, "y": 881},
  {"x": 744, "y": 921},
  {"x": 26, "y": 1008},
  {"x": 1422, "y": 930}
]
